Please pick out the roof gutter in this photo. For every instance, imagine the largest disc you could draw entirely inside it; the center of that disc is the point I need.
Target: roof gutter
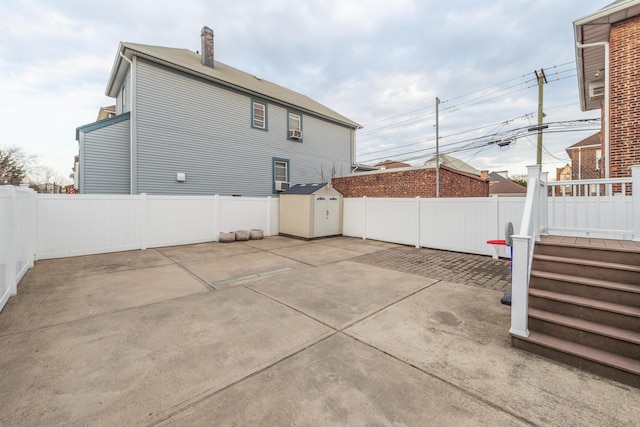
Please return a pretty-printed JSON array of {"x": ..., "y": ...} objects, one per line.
[{"x": 606, "y": 98}]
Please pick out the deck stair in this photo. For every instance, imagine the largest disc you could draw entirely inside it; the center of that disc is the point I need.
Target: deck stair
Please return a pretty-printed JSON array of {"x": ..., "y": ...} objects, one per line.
[{"x": 584, "y": 308}]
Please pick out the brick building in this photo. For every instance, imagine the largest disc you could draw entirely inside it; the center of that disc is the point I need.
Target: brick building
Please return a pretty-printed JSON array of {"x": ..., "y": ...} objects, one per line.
[
  {"x": 412, "y": 182},
  {"x": 586, "y": 156},
  {"x": 613, "y": 87}
]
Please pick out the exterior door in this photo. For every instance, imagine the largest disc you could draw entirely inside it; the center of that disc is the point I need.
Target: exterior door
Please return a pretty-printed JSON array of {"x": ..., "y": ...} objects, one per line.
[{"x": 326, "y": 221}]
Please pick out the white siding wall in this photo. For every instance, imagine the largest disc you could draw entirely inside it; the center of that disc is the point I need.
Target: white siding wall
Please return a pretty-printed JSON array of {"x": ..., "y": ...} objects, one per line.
[
  {"x": 189, "y": 125},
  {"x": 105, "y": 162}
]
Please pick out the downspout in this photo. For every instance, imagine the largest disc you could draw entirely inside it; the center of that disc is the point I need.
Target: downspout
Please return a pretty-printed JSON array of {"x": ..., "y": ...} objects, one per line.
[
  {"x": 132, "y": 185},
  {"x": 606, "y": 99}
]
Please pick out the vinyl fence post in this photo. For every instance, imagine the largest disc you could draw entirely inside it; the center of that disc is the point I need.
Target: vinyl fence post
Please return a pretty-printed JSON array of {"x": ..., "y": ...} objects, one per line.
[
  {"x": 12, "y": 244},
  {"x": 418, "y": 222},
  {"x": 216, "y": 220},
  {"x": 268, "y": 230},
  {"x": 364, "y": 230},
  {"x": 143, "y": 221}
]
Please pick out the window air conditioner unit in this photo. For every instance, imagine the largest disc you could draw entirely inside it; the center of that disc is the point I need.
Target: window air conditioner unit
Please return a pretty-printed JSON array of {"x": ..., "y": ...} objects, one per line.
[
  {"x": 295, "y": 134},
  {"x": 282, "y": 185},
  {"x": 596, "y": 89}
]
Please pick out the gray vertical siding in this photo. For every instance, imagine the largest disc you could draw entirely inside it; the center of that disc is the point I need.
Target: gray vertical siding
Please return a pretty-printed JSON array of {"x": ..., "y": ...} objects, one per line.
[
  {"x": 106, "y": 160},
  {"x": 184, "y": 124}
]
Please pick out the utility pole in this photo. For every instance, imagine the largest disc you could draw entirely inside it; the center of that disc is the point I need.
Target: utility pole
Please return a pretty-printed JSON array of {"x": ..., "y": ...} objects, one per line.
[
  {"x": 542, "y": 79},
  {"x": 437, "y": 151}
]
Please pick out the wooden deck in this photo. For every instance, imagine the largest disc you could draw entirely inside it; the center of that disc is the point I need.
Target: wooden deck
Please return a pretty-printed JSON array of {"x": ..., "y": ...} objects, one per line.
[{"x": 624, "y": 245}]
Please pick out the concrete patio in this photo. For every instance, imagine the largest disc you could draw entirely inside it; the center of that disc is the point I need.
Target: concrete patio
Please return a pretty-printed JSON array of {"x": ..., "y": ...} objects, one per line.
[{"x": 282, "y": 332}]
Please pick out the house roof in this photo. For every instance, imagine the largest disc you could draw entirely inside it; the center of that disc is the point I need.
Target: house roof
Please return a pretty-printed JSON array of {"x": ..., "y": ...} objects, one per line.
[
  {"x": 454, "y": 163},
  {"x": 390, "y": 164},
  {"x": 495, "y": 177},
  {"x": 593, "y": 28},
  {"x": 304, "y": 188},
  {"x": 590, "y": 141},
  {"x": 506, "y": 186},
  {"x": 190, "y": 62}
]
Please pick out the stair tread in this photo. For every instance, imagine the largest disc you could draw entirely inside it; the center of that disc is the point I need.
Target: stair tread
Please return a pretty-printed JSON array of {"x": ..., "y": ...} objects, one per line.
[
  {"x": 586, "y": 281},
  {"x": 627, "y": 249},
  {"x": 585, "y": 352},
  {"x": 586, "y": 325},
  {"x": 586, "y": 302},
  {"x": 587, "y": 262}
]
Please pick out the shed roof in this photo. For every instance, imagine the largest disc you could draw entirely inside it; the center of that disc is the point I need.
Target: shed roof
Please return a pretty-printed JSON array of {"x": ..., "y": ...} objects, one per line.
[
  {"x": 305, "y": 188},
  {"x": 190, "y": 62}
]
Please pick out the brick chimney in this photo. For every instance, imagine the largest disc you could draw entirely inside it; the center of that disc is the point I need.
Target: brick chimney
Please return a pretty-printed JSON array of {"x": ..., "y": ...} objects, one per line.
[
  {"x": 484, "y": 174},
  {"x": 206, "y": 38}
]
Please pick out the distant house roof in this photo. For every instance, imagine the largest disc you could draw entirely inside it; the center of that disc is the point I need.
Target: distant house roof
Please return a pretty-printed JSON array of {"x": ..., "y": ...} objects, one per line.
[
  {"x": 304, "y": 188},
  {"x": 454, "y": 163},
  {"x": 391, "y": 164},
  {"x": 590, "y": 141},
  {"x": 106, "y": 112},
  {"x": 506, "y": 186},
  {"x": 190, "y": 62},
  {"x": 496, "y": 176}
]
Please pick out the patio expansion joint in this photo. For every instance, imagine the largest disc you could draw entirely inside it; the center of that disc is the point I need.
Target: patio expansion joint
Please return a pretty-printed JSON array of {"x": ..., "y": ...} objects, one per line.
[
  {"x": 207, "y": 394},
  {"x": 190, "y": 273},
  {"x": 460, "y": 388}
]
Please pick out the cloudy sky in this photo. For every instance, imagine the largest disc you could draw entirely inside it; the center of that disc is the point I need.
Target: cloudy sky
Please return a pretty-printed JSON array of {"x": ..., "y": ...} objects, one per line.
[{"x": 380, "y": 63}]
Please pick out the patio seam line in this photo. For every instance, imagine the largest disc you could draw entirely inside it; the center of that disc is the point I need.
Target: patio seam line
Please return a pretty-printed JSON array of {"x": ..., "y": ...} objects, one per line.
[
  {"x": 82, "y": 319},
  {"x": 438, "y": 378},
  {"x": 191, "y": 273},
  {"x": 209, "y": 394}
]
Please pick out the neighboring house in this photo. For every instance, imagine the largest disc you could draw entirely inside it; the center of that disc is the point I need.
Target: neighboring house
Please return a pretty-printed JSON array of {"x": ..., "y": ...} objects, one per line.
[
  {"x": 412, "y": 182},
  {"x": 187, "y": 124},
  {"x": 392, "y": 164},
  {"x": 607, "y": 46},
  {"x": 586, "y": 156},
  {"x": 454, "y": 163},
  {"x": 106, "y": 112},
  {"x": 506, "y": 187},
  {"x": 564, "y": 174},
  {"x": 498, "y": 176}
]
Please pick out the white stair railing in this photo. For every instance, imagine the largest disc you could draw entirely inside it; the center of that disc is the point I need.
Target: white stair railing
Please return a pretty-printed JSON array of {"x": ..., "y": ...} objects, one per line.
[{"x": 534, "y": 220}]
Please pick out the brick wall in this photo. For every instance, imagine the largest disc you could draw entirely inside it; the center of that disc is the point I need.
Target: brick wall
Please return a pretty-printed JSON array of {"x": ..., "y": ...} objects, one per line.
[
  {"x": 419, "y": 182},
  {"x": 586, "y": 170},
  {"x": 625, "y": 97}
]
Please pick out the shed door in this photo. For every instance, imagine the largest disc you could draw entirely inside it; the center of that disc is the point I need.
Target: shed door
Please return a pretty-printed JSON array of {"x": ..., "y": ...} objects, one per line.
[{"x": 326, "y": 219}]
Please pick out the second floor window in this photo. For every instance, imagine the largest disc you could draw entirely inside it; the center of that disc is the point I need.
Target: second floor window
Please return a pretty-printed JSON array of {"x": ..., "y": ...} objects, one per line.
[
  {"x": 295, "y": 126},
  {"x": 259, "y": 115}
]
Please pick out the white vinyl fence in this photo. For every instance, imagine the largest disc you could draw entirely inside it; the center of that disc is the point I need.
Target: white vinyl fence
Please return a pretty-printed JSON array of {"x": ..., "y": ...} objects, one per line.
[
  {"x": 71, "y": 225},
  {"x": 455, "y": 224},
  {"x": 17, "y": 237}
]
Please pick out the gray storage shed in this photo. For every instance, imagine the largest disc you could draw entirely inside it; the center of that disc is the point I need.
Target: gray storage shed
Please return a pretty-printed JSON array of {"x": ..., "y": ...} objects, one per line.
[{"x": 311, "y": 210}]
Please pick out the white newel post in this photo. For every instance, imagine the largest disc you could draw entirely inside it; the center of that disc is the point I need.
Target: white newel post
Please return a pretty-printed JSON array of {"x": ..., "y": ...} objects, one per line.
[
  {"x": 533, "y": 176},
  {"x": 543, "y": 195},
  {"x": 520, "y": 286},
  {"x": 635, "y": 207}
]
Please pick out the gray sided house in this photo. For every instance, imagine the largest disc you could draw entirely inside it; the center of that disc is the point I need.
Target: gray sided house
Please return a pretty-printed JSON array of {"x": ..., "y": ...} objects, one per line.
[{"x": 187, "y": 124}]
